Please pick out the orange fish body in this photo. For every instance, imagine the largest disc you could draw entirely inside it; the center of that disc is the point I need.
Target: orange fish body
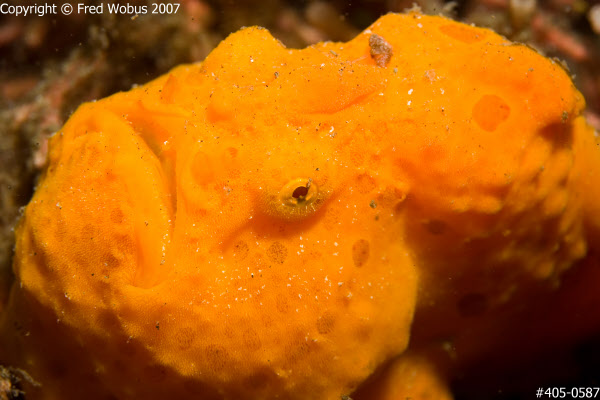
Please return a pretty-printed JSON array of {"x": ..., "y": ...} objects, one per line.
[{"x": 253, "y": 226}]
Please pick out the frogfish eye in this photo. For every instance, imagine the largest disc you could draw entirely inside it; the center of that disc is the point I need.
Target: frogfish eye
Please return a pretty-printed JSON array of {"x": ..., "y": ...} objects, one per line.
[
  {"x": 299, "y": 192},
  {"x": 298, "y": 198}
]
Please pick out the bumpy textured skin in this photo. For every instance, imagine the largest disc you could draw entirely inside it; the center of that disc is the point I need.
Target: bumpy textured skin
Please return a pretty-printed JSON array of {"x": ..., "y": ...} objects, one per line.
[{"x": 253, "y": 226}]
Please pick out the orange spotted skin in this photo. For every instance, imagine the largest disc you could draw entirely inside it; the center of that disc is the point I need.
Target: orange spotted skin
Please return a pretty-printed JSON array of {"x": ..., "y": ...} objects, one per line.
[{"x": 253, "y": 226}]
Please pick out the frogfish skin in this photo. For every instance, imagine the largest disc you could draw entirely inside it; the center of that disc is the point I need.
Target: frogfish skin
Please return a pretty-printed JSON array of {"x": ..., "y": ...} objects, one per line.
[{"x": 266, "y": 223}]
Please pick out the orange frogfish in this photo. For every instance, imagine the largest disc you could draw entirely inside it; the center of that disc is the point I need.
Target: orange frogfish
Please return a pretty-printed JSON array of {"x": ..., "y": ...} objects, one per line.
[{"x": 266, "y": 224}]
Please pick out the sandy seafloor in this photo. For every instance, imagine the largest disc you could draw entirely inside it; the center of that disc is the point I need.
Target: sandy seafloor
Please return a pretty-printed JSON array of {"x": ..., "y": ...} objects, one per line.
[{"x": 51, "y": 64}]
